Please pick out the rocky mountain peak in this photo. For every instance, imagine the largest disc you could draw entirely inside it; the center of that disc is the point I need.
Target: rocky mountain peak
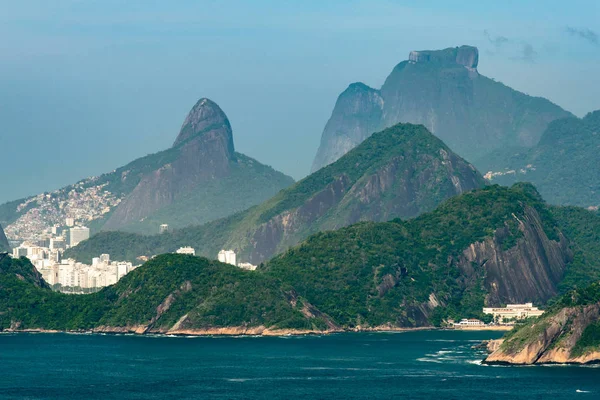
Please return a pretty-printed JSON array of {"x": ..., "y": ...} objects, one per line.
[
  {"x": 467, "y": 56},
  {"x": 205, "y": 116}
]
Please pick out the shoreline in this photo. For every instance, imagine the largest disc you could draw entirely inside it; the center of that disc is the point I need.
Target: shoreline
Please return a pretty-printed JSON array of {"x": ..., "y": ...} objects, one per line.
[{"x": 259, "y": 331}]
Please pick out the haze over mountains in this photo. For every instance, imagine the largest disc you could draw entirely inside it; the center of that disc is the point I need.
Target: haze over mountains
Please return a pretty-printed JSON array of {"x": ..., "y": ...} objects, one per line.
[
  {"x": 400, "y": 172},
  {"x": 442, "y": 90},
  {"x": 563, "y": 165},
  {"x": 199, "y": 179}
]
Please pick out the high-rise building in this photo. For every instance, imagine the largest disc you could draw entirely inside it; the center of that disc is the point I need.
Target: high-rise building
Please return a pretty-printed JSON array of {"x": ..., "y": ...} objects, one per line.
[
  {"x": 78, "y": 234},
  {"x": 70, "y": 222},
  {"x": 163, "y": 228},
  {"x": 58, "y": 243},
  {"x": 228, "y": 257}
]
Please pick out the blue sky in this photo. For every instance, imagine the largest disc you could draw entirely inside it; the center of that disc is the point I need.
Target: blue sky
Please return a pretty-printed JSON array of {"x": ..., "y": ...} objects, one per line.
[{"x": 87, "y": 86}]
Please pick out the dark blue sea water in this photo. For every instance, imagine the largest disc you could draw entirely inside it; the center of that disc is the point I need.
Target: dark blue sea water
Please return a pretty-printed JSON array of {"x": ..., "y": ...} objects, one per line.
[{"x": 420, "y": 365}]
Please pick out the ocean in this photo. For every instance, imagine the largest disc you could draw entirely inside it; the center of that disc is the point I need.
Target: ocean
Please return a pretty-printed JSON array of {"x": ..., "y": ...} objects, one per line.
[{"x": 415, "y": 365}]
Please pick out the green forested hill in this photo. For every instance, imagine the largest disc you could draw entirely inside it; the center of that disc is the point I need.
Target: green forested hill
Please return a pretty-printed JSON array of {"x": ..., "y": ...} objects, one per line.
[
  {"x": 400, "y": 172},
  {"x": 563, "y": 166},
  {"x": 491, "y": 246}
]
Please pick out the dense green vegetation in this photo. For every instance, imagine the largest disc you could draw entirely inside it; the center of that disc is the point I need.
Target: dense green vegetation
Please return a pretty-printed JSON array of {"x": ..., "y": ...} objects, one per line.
[
  {"x": 401, "y": 273},
  {"x": 563, "y": 165},
  {"x": 582, "y": 228},
  {"x": 211, "y": 294},
  {"x": 390, "y": 269}
]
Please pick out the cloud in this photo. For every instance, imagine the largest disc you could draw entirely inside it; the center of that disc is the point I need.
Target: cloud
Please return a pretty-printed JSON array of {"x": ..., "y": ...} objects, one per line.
[
  {"x": 502, "y": 44},
  {"x": 585, "y": 34},
  {"x": 528, "y": 53},
  {"x": 497, "y": 41}
]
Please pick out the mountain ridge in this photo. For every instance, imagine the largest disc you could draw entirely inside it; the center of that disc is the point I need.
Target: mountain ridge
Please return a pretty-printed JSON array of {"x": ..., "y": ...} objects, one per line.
[
  {"x": 370, "y": 275},
  {"x": 442, "y": 90},
  {"x": 179, "y": 186},
  {"x": 399, "y": 172},
  {"x": 568, "y": 148}
]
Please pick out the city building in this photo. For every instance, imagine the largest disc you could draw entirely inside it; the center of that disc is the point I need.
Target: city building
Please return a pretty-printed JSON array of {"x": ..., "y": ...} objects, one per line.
[
  {"x": 163, "y": 228},
  {"x": 469, "y": 322},
  {"x": 228, "y": 257},
  {"x": 70, "y": 222},
  {"x": 513, "y": 312},
  {"x": 78, "y": 234},
  {"x": 58, "y": 243},
  {"x": 247, "y": 266},
  {"x": 186, "y": 250}
]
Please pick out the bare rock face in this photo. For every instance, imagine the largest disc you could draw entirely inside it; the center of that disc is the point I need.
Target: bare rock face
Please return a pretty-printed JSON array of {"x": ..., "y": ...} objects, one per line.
[
  {"x": 467, "y": 56},
  {"x": 206, "y": 117},
  {"x": 408, "y": 183},
  {"x": 355, "y": 117},
  {"x": 442, "y": 90},
  {"x": 527, "y": 272},
  {"x": 203, "y": 151},
  {"x": 3, "y": 240},
  {"x": 550, "y": 339}
]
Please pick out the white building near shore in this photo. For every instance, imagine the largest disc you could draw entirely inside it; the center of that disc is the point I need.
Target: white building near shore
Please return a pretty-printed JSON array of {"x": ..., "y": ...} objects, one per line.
[{"x": 513, "y": 312}]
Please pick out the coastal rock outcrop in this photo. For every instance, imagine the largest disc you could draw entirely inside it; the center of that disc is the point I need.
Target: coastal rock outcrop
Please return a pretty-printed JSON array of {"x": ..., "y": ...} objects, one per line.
[{"x": 566, "y": 336}]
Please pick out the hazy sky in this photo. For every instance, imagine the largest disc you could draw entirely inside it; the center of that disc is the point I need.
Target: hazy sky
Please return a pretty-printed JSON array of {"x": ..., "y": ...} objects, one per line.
[{"x": 87, "y": 86}]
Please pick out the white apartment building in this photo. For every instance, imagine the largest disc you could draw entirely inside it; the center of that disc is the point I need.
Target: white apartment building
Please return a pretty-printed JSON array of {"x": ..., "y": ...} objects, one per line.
[
  {"x": 78, "y": 234},
  {"x": 228, "y": 257}
]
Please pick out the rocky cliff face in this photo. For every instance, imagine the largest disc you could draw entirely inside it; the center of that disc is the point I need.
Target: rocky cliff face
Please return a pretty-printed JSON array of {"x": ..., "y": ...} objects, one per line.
[
  {"x": 3, "y": 240},
  {"x": 202, "y": 151},
  {"x": 400, "y": 176},
  {"x": 200, "y": 167},
  {"x": 442, "y": 90},
  {"x": 356, "y": 115},
  {"x": 552, "y": 339},
  {"x": 529, "y": 271}
]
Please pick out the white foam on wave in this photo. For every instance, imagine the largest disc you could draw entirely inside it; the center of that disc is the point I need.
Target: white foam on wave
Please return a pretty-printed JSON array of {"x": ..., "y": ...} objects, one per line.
[
  {"x": 432, "y": 360},
  {"x": 582, "y": 391}
]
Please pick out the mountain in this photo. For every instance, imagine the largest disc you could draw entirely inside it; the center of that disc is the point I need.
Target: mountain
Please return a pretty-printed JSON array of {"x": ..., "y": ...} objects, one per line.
[
  {"x": 442, "y": 90},
  {"x": 485, "y": 247},
  {"x": 199, "y": 179},
  {"x": 563, "y": 165},
  {"x": 3, "y": 241},
  {"x": 567, "y": 333},
  {"x": 172, "y": 293},
  {"x": 400, "y": 172}
]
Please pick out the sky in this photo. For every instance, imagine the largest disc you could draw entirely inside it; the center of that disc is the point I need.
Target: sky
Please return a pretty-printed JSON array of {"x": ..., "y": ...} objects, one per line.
[{"x": 87, "y": 86}]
